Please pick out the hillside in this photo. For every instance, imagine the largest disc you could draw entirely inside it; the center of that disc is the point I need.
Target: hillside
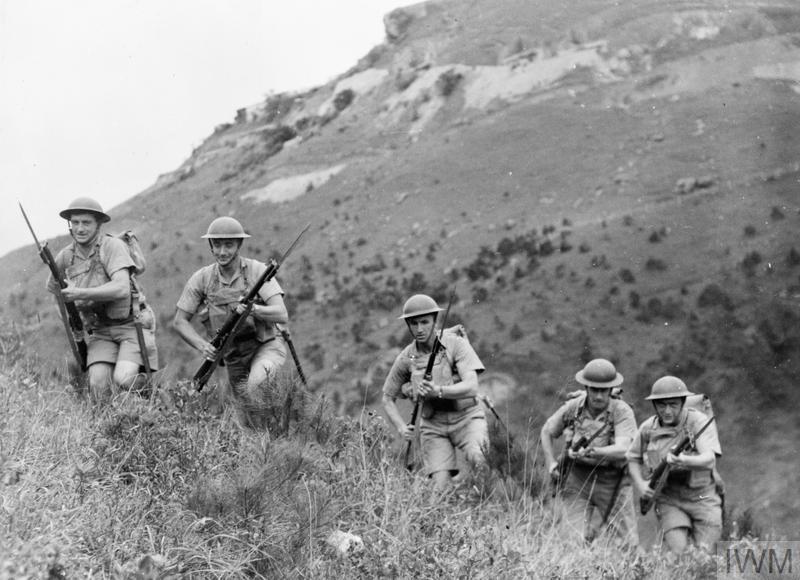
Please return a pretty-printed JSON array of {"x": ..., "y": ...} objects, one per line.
[{"x": 596, "y": 179}]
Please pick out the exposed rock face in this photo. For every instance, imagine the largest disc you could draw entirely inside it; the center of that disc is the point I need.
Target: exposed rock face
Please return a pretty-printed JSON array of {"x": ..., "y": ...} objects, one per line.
[{"x": 396, "y": 23}]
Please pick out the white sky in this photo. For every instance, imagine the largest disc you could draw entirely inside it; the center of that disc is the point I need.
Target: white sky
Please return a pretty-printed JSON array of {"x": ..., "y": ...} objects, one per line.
[{"x": 99, "y": 97}]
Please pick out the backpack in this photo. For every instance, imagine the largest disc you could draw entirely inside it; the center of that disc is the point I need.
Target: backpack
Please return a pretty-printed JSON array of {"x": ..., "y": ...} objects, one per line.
[
  {"x": 135, "y": 251},
  {"x": 138, "y": 300}
]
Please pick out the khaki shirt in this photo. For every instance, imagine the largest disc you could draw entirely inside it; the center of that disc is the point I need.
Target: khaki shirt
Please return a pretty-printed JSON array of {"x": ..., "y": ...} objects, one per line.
[
  {"x": 653, "y": 441},
  {"x": 108, "y": 255},
  {"x": 208, "y": 293},
  {"x": 455, "y": 357},
  {"x": 573, "y": 421}
]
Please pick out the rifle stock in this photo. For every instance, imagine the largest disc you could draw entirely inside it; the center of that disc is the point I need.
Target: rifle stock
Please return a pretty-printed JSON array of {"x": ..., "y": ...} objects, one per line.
[
  {"x": 231, "y": 326},
  {"x": 659, "y": 475},
  {"x": 70, "y": 317}
]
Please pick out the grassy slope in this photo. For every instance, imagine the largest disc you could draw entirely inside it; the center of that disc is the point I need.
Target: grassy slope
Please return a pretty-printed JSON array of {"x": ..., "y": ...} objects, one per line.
[
  {"x": 163, "y": 491},
  {"x": 605, "y": 158}
]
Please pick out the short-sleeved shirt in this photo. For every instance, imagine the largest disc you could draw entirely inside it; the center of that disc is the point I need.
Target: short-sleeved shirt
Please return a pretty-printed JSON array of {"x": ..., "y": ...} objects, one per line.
[
  {"x": 108, "y": 255},
  {"x": 455, "y": 358},
  {"x": 574, "y": 421},
  {"x": 207, "y": 288},
  {"x": 653, "y": 441}
]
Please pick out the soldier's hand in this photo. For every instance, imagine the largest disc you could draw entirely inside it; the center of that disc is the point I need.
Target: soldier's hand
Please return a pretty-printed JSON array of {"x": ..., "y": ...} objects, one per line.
[
  {"x": 71, "y": 293},
  {"x": 208, "y": 350},
  {"x": 240, "y": 308},
  {"x": 675, "y": 461},
  {"x": 406, "y": 432},
  {"x": 644, "y": 490},
  {"x": 552, "y": 469},
  {"x": 427, "y": 389}
]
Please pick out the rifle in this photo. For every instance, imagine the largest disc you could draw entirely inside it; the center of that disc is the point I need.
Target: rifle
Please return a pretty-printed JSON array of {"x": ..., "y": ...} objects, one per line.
[
  {"x": 565, "y": 463},
  {"x": 437, "y": 343},
  {"x": 288, "y": 338},
  {"x": 69, "y": 312},
  {"x": 659, "y": 476},
  {"x": 233, "y": 323}
]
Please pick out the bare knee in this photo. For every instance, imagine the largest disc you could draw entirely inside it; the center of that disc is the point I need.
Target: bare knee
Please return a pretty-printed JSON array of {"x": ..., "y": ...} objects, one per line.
[
  {"x": 100, "y": 380},
  {"x": 125, "y": 374},
  {"x": 677, "y": 540}
]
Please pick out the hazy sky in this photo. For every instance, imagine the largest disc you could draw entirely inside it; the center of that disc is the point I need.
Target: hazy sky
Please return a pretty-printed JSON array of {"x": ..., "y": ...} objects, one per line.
[{"x": 99, "y": 97}]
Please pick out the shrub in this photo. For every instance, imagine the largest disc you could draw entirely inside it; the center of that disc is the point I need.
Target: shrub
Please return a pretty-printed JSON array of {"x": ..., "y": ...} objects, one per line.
[
  {"x": 343, "y": 99},
  {"x": 655, "y": 265},
  {"x": 712, "y": 295},
  {"x": 793, "y": 257},
  {"x": 447, "y": 82},
  {"x": 627, "y": 276},
  {"x": 750, "y": 262},
  {"x": 480, "y": 294}
]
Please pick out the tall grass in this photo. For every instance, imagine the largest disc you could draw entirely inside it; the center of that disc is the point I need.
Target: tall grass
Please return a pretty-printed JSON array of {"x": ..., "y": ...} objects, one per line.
[{"x": 161, "y": 488}]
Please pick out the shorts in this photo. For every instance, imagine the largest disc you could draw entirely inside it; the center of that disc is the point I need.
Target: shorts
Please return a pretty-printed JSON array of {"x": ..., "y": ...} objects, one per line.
[
  {"x": 111, "y": 344},
  {"x": 270, "y": 355},
  {"x": 587, "y": 495},
  {"x": 445, "y": 432},
  {"x": 698, "y": 510}
]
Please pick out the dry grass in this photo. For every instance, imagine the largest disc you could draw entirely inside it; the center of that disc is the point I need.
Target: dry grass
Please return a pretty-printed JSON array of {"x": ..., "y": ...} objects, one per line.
[{"x": 136, "y": 490}]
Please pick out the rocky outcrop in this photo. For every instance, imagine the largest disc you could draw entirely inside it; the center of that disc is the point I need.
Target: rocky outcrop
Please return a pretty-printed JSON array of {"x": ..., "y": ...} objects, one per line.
[{"x": 397, "y": 22}]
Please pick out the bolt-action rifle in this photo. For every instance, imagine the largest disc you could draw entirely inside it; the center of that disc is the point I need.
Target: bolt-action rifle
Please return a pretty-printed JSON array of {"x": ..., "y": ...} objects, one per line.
[
  {"x": 659, "y": 476},
  {"x": 234, "y": 322},
  {"x": 437, "y": 343},
  {"x": 565, "y": 462},
  {"x": 69, "y": 312}
]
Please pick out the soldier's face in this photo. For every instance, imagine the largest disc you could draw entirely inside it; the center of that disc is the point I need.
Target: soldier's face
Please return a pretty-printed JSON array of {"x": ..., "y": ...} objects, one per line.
[
  {"x": 597, "y": 399},
  {"x": 421, "y": 327},
  {"x": 668, "y": 411},
  {"x": 225, "y": 250},
  {"x": 84, "y": 227}
]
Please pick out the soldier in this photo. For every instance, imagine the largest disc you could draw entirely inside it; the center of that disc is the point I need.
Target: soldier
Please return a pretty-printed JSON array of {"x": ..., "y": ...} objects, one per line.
[
  {"x": 688, "y": 507},
  {"x": 596, "y": 492},
  {"x": 98, "y": 270},
  {"x": 451, "y": 416},
  {"x": 257, "y": 351}
]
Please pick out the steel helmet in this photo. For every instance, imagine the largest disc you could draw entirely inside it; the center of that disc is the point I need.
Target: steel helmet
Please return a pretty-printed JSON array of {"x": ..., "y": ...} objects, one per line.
[
  {"x": 600, "y": 374},
  {"x": 84, "y": 205},
  {"x": 225, "y": 228},
  {"x": 418, "y": 305},
  {"x": 668, "y": 388}
]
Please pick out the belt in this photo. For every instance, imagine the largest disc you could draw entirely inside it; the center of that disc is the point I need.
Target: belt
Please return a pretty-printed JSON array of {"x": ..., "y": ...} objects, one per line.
[{"x": 451, "y": 405}]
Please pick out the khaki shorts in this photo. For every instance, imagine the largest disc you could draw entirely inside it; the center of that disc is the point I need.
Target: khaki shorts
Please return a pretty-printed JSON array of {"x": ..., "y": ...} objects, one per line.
[
  {"x": 445, "y": 432},
  {"x": 586, "y": 497},
  {"x": 111, "y": 344},
  {"x": 270, "y": 356},
  {"x": 698, "y": 510}
]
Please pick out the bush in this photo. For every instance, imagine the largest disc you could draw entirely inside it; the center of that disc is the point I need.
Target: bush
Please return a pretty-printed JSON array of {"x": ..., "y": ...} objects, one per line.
[
  {"x": 750, "y": 262},
  {"x": 627, "y": 276},
  {"x": 793, "y": 257},
  {"x": 343, "y": 99},
  {"x": 447, "y": 82},
  {"x": 655, "y": 265},
  {"x": 712, "y": 295}
]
